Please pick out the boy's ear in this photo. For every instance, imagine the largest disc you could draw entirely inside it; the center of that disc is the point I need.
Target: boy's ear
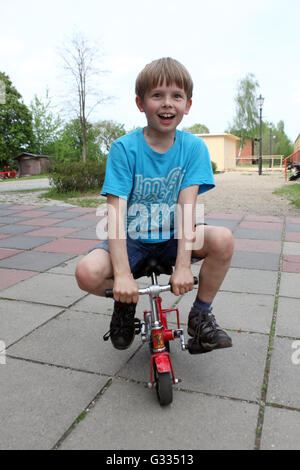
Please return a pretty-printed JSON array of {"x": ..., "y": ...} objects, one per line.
[
  {"x": 139, "y": 103},
  {"x": 188, "y": 106}
]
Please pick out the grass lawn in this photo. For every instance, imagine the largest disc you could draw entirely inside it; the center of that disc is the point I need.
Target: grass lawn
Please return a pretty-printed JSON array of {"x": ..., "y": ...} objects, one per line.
[
  {"x": 87, "y": 199},
  {"x": 292, "y": 192}
]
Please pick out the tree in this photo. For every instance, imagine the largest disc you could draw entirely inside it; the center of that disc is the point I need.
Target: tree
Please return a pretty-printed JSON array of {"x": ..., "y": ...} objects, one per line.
[
  {"x": 108, "y": 132},
  {"x": 16, "y": 133},
  {"x": 68, "y": 145},
  {"x": 45, "y": 125},
  {"x": 245, "y": 121},
  {"x": 79, "y": 58},
  {"x": 197, "y": 129}
]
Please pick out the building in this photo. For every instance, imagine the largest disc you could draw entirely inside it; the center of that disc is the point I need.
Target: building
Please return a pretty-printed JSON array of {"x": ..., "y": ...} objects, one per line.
[
  {"x": 222, "y": 149},
  {"x": 31, "y": 164},
  {"x": 297, "y": 144}
]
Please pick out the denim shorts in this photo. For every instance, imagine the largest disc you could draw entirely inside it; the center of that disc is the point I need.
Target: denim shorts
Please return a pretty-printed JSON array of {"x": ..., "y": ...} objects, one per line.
[{"x": 138, "y": 251}]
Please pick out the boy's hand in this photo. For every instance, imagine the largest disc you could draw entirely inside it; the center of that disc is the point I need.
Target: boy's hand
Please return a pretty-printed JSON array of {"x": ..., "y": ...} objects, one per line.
[
  {"x": 126, "y": 289},
  {"x": 182, "y": 281}
]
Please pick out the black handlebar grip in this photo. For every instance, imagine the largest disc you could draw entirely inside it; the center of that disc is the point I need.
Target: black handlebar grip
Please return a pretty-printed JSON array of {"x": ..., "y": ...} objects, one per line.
[
  {"x": 109, "y": 293},
  {"x": 195, "y": 281}
]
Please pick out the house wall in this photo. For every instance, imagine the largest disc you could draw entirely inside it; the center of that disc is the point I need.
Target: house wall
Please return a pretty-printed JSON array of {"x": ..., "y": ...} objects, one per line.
[
  {"x": 222, "y": 150},
  {"x": 29, "y": 166},
  {"x": 297, "y": 144}
]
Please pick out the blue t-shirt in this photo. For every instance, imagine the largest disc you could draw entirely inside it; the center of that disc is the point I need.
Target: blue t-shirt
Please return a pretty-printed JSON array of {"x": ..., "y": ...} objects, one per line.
[{"x": 151, "y": 181}]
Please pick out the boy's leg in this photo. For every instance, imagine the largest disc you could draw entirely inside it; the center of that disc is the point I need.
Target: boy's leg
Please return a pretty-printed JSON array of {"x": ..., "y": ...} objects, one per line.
[
  {"x": 217, "y": 251},
  {"x": 94, "y": 274}
]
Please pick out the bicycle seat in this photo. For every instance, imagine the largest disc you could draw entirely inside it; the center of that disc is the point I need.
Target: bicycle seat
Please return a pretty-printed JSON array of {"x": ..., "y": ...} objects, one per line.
[{"x": 152, "y": 266}]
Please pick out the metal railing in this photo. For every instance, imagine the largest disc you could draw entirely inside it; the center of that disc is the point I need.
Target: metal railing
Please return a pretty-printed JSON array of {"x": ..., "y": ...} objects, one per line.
[
  {"x": 295, "y": 155},
  {"x": 275, "y": 161}
]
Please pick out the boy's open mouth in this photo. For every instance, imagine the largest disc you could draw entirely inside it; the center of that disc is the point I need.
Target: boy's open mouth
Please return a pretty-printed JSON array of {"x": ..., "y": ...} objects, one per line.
[{"x": 166, "y": 116}]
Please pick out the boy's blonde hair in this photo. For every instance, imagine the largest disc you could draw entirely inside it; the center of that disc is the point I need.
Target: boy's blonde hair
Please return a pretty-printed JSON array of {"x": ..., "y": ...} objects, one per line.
[{"x": 159, "y": 70}]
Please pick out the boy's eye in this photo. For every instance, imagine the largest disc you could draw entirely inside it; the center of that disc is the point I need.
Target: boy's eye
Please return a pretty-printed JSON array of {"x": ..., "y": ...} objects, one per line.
[
  {"x": 178, "y": 96},
  {"x": 156, "y": 95}
]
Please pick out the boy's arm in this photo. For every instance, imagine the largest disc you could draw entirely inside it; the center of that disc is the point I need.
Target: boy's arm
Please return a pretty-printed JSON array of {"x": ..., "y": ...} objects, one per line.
[
  {"x": 125, "y": 287},
  {"x": 182, "y": 279}
]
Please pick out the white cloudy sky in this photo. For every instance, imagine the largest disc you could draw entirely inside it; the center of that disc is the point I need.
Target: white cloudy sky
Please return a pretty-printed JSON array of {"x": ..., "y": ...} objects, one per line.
[{"x": 219, "y": 41}]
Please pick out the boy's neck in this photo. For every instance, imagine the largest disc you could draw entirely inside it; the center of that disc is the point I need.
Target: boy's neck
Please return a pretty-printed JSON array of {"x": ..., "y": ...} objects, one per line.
[{"x": 158, "y": 141}]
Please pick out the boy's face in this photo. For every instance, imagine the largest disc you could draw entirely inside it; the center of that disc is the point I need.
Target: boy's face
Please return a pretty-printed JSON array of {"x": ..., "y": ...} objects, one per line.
[{"x": 164, "y": 107}]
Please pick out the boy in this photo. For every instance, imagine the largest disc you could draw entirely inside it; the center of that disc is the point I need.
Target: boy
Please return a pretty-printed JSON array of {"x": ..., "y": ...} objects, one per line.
[{"x": 153, "y": 174}]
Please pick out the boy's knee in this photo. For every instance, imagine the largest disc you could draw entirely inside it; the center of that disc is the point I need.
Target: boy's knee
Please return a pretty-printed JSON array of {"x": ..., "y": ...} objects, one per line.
[
  {"x": 86, "y": 275},
  {"x": 223, "y": 245}
]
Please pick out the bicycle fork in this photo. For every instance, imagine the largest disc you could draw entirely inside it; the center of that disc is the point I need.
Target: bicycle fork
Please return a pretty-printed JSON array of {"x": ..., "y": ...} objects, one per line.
[{"x": 155, "y": 330}]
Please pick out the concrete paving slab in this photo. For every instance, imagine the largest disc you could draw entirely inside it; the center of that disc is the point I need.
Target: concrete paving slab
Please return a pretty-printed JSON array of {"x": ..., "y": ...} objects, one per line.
[
  {"x": 77, "y": 223},
  {"x": 5, "y": 212},
  {"x": 288, "y": 317},
  {"x": 15, "y": 229},
  {"x": 262, "y": 225},
  {"x": 292, "y": 227},
  {"x": 284, "y": 379},
  {"x": 257, "y": 234},
  {"x": 40, "y": 402},
  {"x": 67, "y": 267},
  {"x": 41, "y": 222},
  {"x": 250, "y": 280},
  {"x": 263, "y": 218},
  {"x": 24, "y": 243},
  {"x": 231, "y": 424},
  {"x": 253, "y": 260},
  {"x": 17, "y": 318},
  {"x": 292, "y": 237},
  {"x": 56, "y": 232},
  {"x": 6, "y": 253},
  {"x": 87, "y": 234},
  {"x": 234, "y": 372},
  {"x": 290, "y": 248},
  {"x": 67, "y": 245},
  {"x": 281, "y": 429},
  {"x": 221, "y": 222},
  {"x": 219, "y": 215},
  {"x": 260, "y": 246},
  {"x": 236, "y": 311},
  {"x": 11, "y": 277},
  {"x": 33, "y": 261},
  {"x": 74, "y": 339},
  {"x": 11, "y": 219},
  {"x": 290, "y": 285},
  {"x": 45, "y": 288},
  {"x": 62, "y": 215},
  {"x": 30, "y": 214},
  {"x": 291, "y": 264}
]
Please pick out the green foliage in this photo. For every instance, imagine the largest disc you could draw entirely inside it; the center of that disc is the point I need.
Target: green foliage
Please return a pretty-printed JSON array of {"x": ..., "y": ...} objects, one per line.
[
  {"x": 214, "y": 166},
  {"x": 45, "y": 125},
  {"x": 280, "y": 143},
  {"x": 107, "y": 132},
  {"x": 68, "y": 145},
  {"x": 16, "y": 133},
  {"x": 70, "y": 176},
  {"x": 246, "y": 117},
  {"x": 197, "y": 129}
]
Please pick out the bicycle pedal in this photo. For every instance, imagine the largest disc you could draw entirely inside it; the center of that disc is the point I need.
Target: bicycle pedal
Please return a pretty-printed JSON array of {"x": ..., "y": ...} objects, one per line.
[{"x": 137, "y": 326}]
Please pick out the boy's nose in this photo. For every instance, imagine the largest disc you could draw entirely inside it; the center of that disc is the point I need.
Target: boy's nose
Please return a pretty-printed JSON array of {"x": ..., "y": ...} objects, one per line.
[{"x": 167, "y": 101}]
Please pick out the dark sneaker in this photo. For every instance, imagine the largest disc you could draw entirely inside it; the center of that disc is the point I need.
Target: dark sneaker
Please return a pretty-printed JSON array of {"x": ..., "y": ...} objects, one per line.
[
  {"x": 207, "y": 335},
  {"x": 122, "y": 326}
]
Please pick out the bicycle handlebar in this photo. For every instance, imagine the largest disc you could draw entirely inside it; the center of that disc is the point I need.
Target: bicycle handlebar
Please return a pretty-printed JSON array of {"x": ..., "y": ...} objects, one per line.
[{"x": 147, "y": 290}]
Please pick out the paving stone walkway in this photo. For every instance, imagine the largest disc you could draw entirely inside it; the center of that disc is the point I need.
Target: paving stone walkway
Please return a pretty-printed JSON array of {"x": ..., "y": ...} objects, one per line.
[{"x": 62, "y": 387}]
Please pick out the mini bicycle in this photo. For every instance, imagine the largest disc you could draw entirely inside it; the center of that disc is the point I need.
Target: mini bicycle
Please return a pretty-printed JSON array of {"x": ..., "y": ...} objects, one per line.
[{"x": 154, "y": 330}]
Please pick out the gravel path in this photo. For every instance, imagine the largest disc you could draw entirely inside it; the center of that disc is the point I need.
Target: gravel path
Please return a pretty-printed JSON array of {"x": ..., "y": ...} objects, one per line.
[
  {"x": 248, "y": 193},
  {"x": 234, "y": 192}
]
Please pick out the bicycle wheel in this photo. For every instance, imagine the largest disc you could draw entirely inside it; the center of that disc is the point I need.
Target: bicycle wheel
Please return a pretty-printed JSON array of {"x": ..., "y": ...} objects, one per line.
[{"x": 164, "y": 387}]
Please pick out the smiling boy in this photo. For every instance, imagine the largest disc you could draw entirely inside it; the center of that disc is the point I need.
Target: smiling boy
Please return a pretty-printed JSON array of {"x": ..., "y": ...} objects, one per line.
[{"x": 152, "y": 175}]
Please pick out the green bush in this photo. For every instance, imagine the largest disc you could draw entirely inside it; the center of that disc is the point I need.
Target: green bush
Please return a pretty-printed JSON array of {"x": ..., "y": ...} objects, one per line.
[
  {"x": 77, "y": 176},
  {"x": 214, "y": 167}
]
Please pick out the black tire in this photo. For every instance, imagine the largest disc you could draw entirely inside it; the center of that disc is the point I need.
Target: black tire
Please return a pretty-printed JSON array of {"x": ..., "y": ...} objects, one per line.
[{"x": 164, "y": 387}]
